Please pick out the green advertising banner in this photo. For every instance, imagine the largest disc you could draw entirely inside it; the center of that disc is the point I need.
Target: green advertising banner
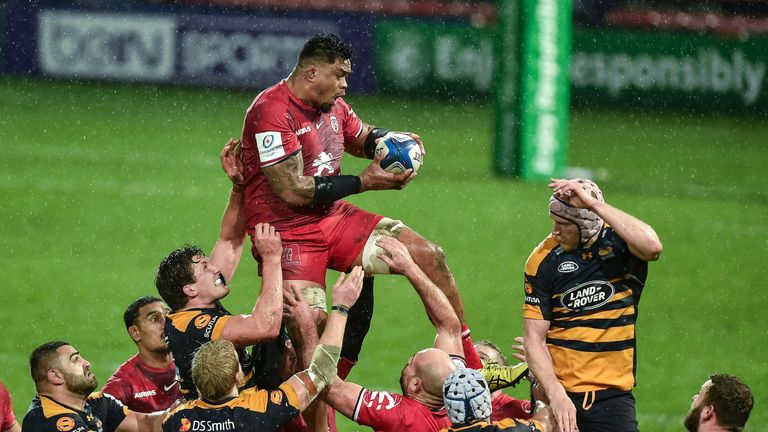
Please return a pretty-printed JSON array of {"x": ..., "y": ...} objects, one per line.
[
  {"x": 432, "y": 57},
  {"x": 532, "y": 97},
  {"x": 669, "y": 70}
]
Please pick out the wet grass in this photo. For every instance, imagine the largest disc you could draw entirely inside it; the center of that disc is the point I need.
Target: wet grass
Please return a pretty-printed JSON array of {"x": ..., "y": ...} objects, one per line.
[{"x": 99, "y": 181}]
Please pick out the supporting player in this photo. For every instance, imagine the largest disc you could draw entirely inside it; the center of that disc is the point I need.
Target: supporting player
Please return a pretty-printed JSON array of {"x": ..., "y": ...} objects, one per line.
[
  {"x": 193, "y": 285},
  {"x": 216, "y": 373},
  {"x": 582, "y": 287},
  {"x": 420, "y": 407},
  {"x": 146, "y": 382}
]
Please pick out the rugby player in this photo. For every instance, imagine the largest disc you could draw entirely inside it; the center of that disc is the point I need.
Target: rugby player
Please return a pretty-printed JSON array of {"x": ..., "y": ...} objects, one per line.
[
  {"x": 8, "y": 421},
  {"x": 467, "y": 398},
  {"x": 146, "y": 382},
  {"x": 193, "y": 285},
  {"x": 420, "y": 406},
  {"x": 294, "y": 136},
  {"x": 216, "y": 373},
  {"x": 723, "y": 404},
  {"x": 582, "y": 287},
  {"x": 64, "y": 401}
]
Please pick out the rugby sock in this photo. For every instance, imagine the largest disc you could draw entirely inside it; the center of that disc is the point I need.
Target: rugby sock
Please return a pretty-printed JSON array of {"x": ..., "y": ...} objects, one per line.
[
  {"x": 358, "y": 323},
  {"x": 470, "y": 354}
]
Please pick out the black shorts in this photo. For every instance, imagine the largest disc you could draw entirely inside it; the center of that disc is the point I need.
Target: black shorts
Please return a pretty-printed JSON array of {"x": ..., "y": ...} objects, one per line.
[{"x": 605, "y": 411}]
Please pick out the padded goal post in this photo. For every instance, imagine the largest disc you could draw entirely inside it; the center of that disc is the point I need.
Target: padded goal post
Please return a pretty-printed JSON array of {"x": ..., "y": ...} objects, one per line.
[{"x": 532, "y": 94}]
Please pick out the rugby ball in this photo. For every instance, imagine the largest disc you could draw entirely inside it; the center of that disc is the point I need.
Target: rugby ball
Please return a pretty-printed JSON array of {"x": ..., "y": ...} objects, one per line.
[{"x": 400, "y": 153}]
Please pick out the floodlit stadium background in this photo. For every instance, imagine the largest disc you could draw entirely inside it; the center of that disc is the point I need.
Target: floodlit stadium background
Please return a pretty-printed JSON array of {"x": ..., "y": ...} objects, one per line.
[{"x": 100, "y": 180}]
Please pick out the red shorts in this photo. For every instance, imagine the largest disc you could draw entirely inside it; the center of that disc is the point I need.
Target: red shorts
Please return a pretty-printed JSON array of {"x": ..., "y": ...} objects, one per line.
[{"x": 333, "y": 242}]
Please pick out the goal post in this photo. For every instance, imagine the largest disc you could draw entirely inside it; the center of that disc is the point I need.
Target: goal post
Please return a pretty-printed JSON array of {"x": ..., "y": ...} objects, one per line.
[{"x": 532, "y": 94}]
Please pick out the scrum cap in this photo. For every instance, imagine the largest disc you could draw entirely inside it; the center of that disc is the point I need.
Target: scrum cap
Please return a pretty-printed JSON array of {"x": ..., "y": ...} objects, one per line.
[
  {"x": 466, "y": 396},
  {"x": 588, "y": 222}
]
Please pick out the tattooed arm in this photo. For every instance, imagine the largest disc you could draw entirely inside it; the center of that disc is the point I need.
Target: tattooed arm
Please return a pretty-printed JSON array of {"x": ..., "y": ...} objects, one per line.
[
  {"x": 289, "y": 182},
  {"x": 287, "y": 179}
]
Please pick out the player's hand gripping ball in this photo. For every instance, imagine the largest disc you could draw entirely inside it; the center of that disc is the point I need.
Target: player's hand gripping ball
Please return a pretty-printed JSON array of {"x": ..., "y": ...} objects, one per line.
[{"x": 400, "y": 153}]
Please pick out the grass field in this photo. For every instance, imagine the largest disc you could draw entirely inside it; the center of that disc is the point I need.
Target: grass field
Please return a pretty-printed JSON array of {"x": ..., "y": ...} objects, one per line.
[{"x": 99, "y": 181}]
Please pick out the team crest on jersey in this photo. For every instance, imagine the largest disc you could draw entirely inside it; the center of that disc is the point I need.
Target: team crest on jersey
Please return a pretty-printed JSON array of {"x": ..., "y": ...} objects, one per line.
[
  {"x": 567, "y": 267},
  {"x": 334, "y": 123},
  {"x": 65, "y": 424},
  {"x": 589, "y": 295},
  {"x": 606, "y": 252},
  {"x": 202, "y": 320}
]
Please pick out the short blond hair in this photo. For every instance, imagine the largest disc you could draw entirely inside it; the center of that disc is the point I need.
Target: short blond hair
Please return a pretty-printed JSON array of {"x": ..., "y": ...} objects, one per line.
[{"x": 214, "y": 369}]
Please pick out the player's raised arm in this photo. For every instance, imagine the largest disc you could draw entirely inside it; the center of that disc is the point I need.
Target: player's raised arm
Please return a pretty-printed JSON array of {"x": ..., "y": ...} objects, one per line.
[
  {"x": 228, "y": 249},
  {"x": 264, "y": 321},
  {"x": 641, "y": 238},
  {"x": 322, "y": 371},
  {"x": 438, "y": 308}
]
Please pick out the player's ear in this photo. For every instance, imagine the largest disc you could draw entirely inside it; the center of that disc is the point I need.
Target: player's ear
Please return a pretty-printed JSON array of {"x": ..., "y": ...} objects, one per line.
[
  {"x": 55, "y": 376},
  {"x": 134, "y": 332},
  {"x": 189, "y": 291},
  {"x": 310, "y": 72},
  {"x": 415, "y": 385},
  {"x": 707, "y": 413}
]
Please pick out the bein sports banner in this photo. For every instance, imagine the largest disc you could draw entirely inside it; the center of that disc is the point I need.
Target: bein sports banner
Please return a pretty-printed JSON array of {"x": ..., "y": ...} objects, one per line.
[{"x": 212, "y": 49}]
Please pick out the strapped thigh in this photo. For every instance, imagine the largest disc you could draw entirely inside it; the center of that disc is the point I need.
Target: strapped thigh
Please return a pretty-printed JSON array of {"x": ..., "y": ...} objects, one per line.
[{"x": 385, "y": 228}]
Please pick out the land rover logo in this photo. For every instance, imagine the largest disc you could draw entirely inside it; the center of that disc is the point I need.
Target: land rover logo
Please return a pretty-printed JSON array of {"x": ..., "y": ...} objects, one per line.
[
  {"x": 567, "y": 267},
  {"x": 589, "y": 295}
]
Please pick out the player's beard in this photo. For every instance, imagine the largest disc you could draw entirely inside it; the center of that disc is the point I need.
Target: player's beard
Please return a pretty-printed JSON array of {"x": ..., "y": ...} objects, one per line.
[
  {"x": 326, "y": 108},
  {"x": 81, "y": 385},
  {"x": 691, "y": 421}
]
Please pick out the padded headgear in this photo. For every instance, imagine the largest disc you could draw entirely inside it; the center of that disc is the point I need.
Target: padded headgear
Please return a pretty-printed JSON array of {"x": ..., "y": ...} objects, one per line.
[
  {"x": 466, "y": 396},
  {"x": 588, "y": 222}
]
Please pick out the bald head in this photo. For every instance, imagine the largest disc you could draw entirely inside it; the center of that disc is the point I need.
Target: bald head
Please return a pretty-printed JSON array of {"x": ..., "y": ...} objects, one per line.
[{"x": 425, "y": 373}]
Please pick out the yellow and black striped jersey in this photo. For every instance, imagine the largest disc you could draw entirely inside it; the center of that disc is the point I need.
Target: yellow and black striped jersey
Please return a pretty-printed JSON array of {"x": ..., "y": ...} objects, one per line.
[
  {"x": 253, "y": 410},
  {"x": 102, "y": 413},
  {"x": 508, "y": 425},
  {"x": 590, "y": 297},
  {"x": 186, "y": 330}
]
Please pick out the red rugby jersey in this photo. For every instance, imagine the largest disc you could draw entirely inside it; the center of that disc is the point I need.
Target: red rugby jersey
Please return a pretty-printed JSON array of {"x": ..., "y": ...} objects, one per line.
[
  {"x": 6, "y": 409},
  {"x": 384, "y": 411},
  {"x": 505, "y": 406},
  {"x": 143, "y": 388},
  {"x": 278, "y": 125}
]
